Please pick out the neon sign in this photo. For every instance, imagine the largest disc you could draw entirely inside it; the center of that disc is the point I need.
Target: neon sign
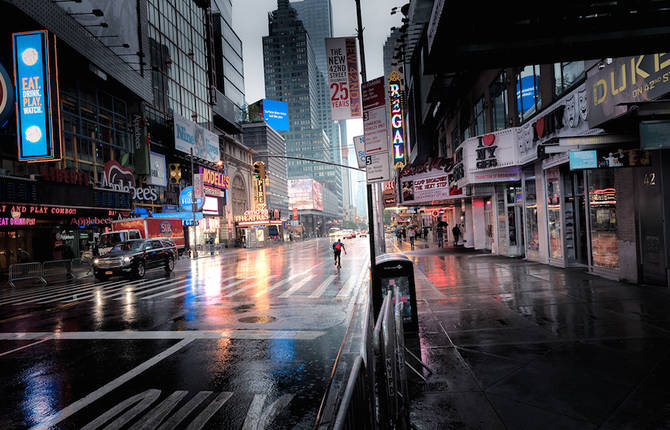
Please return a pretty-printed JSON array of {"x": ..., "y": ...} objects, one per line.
[
  {"x": 397, "y": 117},
  {"x": 38, "y": 135}
]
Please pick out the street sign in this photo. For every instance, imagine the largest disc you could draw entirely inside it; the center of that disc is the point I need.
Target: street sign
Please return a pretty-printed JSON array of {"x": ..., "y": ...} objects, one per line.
[
  {"x": 378, "y": 168},
  {"x": 359, "y": 145},
  {"x": 375, "y": 129}
]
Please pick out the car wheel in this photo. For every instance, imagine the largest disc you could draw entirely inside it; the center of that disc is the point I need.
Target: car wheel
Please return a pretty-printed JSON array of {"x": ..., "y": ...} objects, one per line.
[
  {"x": 169, "y": 266},
  {"x": 139, "y": 271}
]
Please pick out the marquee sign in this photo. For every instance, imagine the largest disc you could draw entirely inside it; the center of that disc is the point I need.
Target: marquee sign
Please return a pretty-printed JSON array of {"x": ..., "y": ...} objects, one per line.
[
  {"x": 214, "y": 179},
  {"x": 119, "y": 178},
  {"x": 397, "y": 117},
  {"x": 38, "y": 133},
  {"x": 260, "y": 214}
]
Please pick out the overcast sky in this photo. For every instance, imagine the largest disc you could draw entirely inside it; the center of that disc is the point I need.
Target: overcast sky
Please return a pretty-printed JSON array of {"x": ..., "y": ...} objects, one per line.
[{"x": 250, "y": 21}]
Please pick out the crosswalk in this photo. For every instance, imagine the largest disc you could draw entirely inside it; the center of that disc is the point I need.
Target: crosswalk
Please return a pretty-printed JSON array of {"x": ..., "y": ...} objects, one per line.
[{"x": 308, "y": 284}]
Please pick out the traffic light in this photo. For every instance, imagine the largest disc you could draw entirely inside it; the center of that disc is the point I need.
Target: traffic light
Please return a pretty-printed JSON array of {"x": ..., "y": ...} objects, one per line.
[
  {"x": 175, "y": 173},
  {"x": 257, "y": 169}
]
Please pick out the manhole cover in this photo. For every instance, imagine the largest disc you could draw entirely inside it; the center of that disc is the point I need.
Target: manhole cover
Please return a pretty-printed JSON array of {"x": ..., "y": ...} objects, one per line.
[
  {"x": 257, "y": 320},
  {"x": 243, "y": 308}
]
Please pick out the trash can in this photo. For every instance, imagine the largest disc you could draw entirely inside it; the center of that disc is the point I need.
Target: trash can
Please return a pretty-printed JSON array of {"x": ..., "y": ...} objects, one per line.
[{"x": 393, "y": 270}]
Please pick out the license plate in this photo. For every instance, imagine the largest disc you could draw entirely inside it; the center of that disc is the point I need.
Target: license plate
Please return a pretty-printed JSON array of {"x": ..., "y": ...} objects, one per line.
[{"x": 109, "y": 272}]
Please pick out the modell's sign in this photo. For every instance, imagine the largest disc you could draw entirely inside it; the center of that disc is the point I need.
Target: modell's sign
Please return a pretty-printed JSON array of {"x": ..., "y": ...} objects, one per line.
[{"x": 119, "y": 178}]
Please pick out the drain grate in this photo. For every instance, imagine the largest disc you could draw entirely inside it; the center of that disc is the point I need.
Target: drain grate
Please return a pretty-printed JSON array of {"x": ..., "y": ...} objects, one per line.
[{"x": 261, "y": 319}]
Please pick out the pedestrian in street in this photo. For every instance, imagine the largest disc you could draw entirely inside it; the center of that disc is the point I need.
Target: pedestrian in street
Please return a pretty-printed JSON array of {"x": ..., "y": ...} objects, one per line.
[
  {"x": 457, "y": 234},
  {"x": 404, "y": 233},
  {"x": 338, "y": 247},
  {"x": 398, "y": 235},
  {"x": 441, "y": 227},
  {"x": 411, "y": 234}
]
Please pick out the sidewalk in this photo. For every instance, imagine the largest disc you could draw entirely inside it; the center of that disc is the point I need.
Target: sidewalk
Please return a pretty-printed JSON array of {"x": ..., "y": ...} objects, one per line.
[{"x": 521, "y": 345}]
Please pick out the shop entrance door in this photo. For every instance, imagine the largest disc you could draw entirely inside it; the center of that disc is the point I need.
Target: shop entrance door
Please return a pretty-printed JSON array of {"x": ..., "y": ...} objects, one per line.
[
  {"x": 576, "y": 251},
  {"x": 649, "y": 194},
  {"x": 514, "y": 207}
]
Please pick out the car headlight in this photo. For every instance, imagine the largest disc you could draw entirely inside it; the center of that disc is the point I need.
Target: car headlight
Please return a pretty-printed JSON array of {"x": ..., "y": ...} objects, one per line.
[
  {"x": 126, "y": 260},
  {"x": 96, "y": 261}
]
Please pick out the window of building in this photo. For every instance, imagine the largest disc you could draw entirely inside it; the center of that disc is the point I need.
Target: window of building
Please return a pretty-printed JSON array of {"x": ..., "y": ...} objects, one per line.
[
  {"x": 566, "y": 75},
  {"x": 455, "y": 141},
  {"x": 498, "y": 97},
  {"x": 479, "y": 123},
  {"x": 528, "y": 92}
]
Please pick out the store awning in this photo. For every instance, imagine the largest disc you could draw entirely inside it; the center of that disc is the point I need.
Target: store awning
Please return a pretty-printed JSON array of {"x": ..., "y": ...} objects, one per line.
[{"x": 580, "y": 143}]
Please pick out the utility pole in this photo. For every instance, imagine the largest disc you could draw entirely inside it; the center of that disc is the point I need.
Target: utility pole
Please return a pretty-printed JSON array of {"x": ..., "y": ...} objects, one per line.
[
  {"x": 364, "y": 77},
  {"x": 195, "y": 235}
]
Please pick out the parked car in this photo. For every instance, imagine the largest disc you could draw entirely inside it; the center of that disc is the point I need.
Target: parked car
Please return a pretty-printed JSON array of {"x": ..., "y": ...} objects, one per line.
[{"x": 132, "y": 258}]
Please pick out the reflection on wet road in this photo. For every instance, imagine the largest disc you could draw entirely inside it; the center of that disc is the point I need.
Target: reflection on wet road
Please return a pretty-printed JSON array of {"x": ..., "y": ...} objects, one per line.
[{"x": 243, "y": 340}]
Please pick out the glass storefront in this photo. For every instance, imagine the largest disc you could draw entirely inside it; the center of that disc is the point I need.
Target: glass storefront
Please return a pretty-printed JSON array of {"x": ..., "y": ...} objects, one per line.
[
  {"x": 553, "y": 180},
  {"x": 602, "y": 208}
]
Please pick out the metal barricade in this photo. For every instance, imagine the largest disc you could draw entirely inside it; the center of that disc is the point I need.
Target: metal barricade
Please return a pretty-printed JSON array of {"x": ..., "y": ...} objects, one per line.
[
  {"x": 25, "y": 271},
  {"x": 56, "y": 268},
  {"x": 356, "y": 410}
]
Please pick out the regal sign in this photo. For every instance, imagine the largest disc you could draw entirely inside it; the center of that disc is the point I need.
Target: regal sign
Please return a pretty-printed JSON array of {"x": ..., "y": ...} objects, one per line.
[
  {"x": 397, "y": 117},
  {"x": 119, "y": 178}
]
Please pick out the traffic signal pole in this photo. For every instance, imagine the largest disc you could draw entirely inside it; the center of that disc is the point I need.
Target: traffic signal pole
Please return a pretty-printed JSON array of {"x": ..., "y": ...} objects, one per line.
[{"x": 364, "y": 77}]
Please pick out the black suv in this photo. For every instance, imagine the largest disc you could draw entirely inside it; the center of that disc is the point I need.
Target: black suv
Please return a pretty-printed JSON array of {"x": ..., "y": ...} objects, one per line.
[{"x": 132, "y": 258}]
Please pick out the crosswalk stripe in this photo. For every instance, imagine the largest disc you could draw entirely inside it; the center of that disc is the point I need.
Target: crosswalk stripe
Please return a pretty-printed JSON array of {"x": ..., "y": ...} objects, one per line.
[
  {"x": 346, "y": 291},
  {"x": 283, "y": 282},
  {"x": 162, "y": 293},
  {"x": 296, "y": 287},
  {"x": 45, "y": 294},
  {"x": 114, "y": 290},
  {"x": 248, "y": 287},
  {"x": 322, "y": 288},
  {"x": 65, "y": 294},
  {"x": 137, "y": 291}
]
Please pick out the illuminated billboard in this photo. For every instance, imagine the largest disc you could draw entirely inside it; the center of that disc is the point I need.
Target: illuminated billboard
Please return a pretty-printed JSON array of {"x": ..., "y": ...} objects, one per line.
[
  {"x": 305, "y": 194},
  {"x": 275, "y": 113},
  {"x": 38, "y": 134}
]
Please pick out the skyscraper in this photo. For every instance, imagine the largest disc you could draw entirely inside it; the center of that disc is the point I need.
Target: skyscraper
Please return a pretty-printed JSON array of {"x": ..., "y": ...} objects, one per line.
[
  {"x": 292, "y": 75},
  {"x": 317, "y": 18}
]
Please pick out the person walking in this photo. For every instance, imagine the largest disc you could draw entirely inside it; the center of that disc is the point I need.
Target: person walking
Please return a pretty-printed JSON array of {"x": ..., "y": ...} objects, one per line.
[
  {"x": 411, "y": 234},
  {"x": 457, "y": 234},
  {"x": 441, "y": 227},
  {"x": 398, "y": 235},
  {"x": 338, "y": 247}
]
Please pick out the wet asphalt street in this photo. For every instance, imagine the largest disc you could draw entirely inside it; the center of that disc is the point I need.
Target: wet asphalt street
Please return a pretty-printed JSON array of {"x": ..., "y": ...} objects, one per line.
[{"x": 244, "y": 340}]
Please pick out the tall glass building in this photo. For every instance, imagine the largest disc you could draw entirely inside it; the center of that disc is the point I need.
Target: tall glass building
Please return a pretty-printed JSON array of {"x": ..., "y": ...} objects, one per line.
[{"x": 292, "y": 75}]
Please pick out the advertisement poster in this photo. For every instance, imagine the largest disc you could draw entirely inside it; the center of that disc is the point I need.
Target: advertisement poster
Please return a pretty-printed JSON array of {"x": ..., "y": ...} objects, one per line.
[
  {"x": 305, "y": 194},
  {"x": 158, "y": 170},
  {"x": 33, "y": 96},
  {"x": 424, "y": 187},
  {"x": 190, "y": 136},
  {"x": 275, "y": 113},
  {"x": 343, "y": 83}
]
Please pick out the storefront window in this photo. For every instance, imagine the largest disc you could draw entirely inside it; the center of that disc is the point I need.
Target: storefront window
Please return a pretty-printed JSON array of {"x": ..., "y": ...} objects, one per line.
[
  {"x": 554, "y": 212},
  {"x": 498, "y": 95},
  {"x": 533, "y": 241},
  {"x": 602, "y": 202}
]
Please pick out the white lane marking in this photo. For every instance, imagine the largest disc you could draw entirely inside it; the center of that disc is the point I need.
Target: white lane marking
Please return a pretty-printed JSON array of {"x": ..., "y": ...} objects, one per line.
[
  {"x": 322, "y": 288},
  {"x": 140, "y": 401},
  {"x": 162, "y": 293},
  {"x": 158, "y": 413},
  {"x": 207, "y": 413},
  {"x": 155, "y": 283},
  {"x": 254, "y": 413},
  {"x": 296, "y": 287},
  {"x": 185, "y": 411},
  {"x": 280, "y": 283},
  {"x": 48, "y": 294},
  {"x": 248, "y": 287},
  {"x": 137, "y": 292},
  {"x": 25, "y": 346},
  {"x": 270, "y": 413},
  {"x": 256, "y": 334},
  {"x": 92, "y": 397},
  {"x": 347, "y": 291},
  {"x": 92, "y": 292}
]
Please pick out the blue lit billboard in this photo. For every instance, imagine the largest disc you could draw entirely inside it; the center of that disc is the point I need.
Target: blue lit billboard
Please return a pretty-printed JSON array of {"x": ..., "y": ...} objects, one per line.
[
  {"x": 525, "y": 93},
  {"x": 275, "y": 113},
  {"x": 35, "y": 128}
]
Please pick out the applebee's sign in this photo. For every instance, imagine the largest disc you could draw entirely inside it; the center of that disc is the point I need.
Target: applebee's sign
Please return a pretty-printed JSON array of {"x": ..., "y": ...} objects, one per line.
[{"x": 119, "y": 178}]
